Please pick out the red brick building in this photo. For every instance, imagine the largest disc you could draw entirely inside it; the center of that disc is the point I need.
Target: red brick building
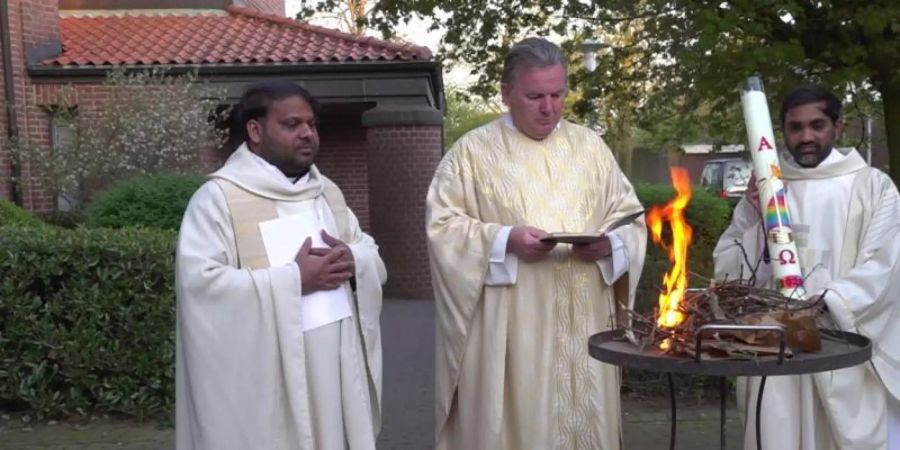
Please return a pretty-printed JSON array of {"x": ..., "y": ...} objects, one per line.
[{"x": 382, "y": 101}]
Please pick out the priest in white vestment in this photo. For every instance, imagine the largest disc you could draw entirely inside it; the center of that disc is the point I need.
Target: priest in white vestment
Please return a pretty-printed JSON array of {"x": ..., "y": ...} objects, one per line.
[
  {"x": 514, "y": 313},
  {"x": 276, "y": 353},
  {"x": 845, "y": 218}
]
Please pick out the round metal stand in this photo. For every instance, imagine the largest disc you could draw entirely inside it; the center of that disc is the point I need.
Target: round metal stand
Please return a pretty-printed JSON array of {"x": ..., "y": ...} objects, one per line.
[{"x": 839, "y": 350}]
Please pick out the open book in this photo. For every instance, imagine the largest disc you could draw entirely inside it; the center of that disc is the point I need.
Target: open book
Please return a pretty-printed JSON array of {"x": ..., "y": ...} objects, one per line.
[{"x": 590, "y": 237}]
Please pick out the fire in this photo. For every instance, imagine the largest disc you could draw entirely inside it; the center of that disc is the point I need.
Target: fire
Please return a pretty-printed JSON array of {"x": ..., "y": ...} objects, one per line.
[{"x": 675, "y": 281}]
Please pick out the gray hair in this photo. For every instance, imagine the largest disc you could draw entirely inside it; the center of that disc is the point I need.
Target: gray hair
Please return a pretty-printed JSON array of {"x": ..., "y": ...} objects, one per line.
[{"x": 531, "y": 53}]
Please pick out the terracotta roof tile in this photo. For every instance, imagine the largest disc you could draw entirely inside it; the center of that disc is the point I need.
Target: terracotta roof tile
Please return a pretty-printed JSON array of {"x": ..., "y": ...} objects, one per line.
[{"x": 244, "y": 35}]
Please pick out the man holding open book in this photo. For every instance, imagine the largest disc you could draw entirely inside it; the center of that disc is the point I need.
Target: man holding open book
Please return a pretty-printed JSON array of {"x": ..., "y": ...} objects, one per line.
[{"x": 515, "y": 304}]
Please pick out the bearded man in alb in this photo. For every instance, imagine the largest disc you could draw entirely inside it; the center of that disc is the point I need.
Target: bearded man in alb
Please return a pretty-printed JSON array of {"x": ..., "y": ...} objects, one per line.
[
  {"x": 276, "y": 354},
  {"x": 845, "y": 218}
]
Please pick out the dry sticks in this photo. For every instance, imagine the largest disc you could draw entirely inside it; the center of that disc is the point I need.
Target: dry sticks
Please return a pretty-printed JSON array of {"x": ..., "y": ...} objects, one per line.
[{"x": 734, "y": 302}]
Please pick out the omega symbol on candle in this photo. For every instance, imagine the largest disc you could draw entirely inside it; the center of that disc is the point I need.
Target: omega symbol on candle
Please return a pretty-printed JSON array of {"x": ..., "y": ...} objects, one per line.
[{"x": 786, "y": 257}]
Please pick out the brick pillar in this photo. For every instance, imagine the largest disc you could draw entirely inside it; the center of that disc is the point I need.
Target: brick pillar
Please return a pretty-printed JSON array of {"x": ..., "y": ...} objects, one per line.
[
  {"x": 405, "y": 146},
  {"x": 344, "y": 158},
  {"x": 34, "y": 36}
]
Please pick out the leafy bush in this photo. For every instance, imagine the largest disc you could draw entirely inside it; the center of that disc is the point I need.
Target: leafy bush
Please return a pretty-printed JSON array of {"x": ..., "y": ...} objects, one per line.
[
  {"x": 87, "y": 316},
  {"x": 11, "y": 214},
  {"x": 464, "y": 115},
  {"x": 153, "y": 122},
  {"x": 87, "y": 321},
  {"x": 64, "y": 219},
  {"x": 156, "y": 201}
]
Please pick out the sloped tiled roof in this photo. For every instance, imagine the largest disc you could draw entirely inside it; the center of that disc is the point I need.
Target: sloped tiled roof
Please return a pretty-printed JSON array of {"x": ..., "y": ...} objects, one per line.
[{"x": 241, "y": 36}]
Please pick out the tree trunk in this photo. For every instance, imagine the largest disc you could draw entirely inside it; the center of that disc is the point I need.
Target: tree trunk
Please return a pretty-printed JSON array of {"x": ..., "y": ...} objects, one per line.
[
  {"x": 626, "y": 154},
  {"x": 620, "y": 139},
  {"x": 890, "y": 97}
]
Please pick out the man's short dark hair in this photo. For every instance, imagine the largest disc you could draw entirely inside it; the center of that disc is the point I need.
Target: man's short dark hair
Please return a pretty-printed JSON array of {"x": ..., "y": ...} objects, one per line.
[
  {"x": 811, "y": 93},
  {"x": 258, "y": 98}
]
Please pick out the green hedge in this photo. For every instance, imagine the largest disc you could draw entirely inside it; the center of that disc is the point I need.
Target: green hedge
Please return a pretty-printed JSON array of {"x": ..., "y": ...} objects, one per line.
[
  {"x": 64, "y": 219},
  {"x": 87, "y": 321},
  {"x": 156, "y": 201},
  {"x": 11, "y": 214},
  {"x": 707, "y": 214},
  {"x": 87, "y": 316}
]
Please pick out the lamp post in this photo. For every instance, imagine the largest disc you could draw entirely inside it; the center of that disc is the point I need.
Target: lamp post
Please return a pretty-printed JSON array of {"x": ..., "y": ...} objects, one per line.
[{"x": 589, "y": 53}]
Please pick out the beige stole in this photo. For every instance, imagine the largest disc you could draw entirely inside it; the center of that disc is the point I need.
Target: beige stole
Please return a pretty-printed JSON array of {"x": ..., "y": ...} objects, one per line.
[{"x": 249, "y": 210}]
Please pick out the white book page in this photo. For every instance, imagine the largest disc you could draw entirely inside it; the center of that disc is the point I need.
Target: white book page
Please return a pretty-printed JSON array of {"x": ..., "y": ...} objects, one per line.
[{"x": 282, "y": 238}]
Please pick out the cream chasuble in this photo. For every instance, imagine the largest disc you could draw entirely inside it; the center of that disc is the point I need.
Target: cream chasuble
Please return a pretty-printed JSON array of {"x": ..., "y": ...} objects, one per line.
[
  {"x": 512, "y": 366},
  {"x": 846, "y": 220},
  {"x": 242, "y": 376}
]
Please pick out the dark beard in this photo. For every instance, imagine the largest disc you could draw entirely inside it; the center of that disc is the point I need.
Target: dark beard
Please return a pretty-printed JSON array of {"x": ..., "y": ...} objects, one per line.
[{"x": 295, "y": 176}]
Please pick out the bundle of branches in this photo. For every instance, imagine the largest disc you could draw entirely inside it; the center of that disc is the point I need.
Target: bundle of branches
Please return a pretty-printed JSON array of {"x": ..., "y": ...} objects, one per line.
[{"x": 735, "y": 302}]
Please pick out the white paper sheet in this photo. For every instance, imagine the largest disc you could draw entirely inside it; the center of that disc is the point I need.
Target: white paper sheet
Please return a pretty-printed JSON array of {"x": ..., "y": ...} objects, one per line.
[{"x": 282, "y": 238}]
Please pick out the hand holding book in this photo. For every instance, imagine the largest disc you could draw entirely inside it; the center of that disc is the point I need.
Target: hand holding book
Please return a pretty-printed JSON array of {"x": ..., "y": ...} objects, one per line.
[{"x": 591, "y": 237}]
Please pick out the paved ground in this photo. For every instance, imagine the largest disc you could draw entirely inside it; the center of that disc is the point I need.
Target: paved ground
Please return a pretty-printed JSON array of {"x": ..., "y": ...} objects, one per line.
[{"x": 408, "y": 334}]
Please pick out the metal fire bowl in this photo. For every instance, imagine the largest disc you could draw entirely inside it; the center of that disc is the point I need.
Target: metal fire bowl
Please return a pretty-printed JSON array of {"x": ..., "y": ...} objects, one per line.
[{"x": 839, "y": 350}]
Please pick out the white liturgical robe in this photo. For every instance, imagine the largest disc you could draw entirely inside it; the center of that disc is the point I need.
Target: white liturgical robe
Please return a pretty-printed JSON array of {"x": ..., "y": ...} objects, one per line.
[
  {"x": 846, "y": 220},
  {"x": 247, "y": 374}
]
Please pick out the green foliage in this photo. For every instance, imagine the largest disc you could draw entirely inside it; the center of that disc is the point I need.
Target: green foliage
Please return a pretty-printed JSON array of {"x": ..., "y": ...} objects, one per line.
[
  {"x": 463, "y": 116},
  {"x": 88, "y": 321},
  {"x": 11, "y": 214},
  {"x": 352, "y": 16},
  {"x": 65, "y": 219},
  {"x": 707, "y": 214},
  {"x": 156, "y": 201},
  {"x": 679, "y": 61}
]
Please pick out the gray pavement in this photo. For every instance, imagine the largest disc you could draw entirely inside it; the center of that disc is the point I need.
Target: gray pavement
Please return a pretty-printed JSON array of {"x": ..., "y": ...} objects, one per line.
[{"x": 408, "y": 339}]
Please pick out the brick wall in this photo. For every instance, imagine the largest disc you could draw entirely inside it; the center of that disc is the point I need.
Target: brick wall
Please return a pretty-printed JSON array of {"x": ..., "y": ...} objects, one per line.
[
  {"x": 39, "y": 101},
  {"x": 44, "y": 98},
  {"x": 33, "y": 23},
  {"x": 267, "y": 6},
  {"x": 5, "y": 188},
  {"x": 40, "y": 20},
  {"x": 343, "y": 158},
  {"x": 404, "y": 159}
]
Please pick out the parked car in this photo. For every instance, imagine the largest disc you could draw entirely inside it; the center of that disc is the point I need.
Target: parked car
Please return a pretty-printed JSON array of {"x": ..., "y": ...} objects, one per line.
[{"x": 727, "y": 177}]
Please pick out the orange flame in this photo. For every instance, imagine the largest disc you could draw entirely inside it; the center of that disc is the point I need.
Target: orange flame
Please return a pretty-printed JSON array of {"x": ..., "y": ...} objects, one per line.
[{"x": 675, "y": 281}]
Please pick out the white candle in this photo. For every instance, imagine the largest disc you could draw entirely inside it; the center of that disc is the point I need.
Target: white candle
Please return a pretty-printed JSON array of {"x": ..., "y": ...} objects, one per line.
[{"x": 772, "y": 198}]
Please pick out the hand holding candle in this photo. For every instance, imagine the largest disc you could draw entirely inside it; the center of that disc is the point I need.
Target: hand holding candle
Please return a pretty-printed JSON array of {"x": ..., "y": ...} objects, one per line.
[{"x": 772, "y": 199}]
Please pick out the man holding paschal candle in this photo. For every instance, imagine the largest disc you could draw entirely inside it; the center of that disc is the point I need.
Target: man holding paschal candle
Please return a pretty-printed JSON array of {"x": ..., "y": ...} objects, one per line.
[{"x": 833, "y": 224}]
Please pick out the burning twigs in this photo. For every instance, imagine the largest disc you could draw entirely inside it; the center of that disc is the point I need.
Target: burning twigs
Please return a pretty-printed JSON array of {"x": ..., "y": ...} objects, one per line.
[
  {"x": 733, "y": 303},
  {"x": 674, "y": 325}
]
